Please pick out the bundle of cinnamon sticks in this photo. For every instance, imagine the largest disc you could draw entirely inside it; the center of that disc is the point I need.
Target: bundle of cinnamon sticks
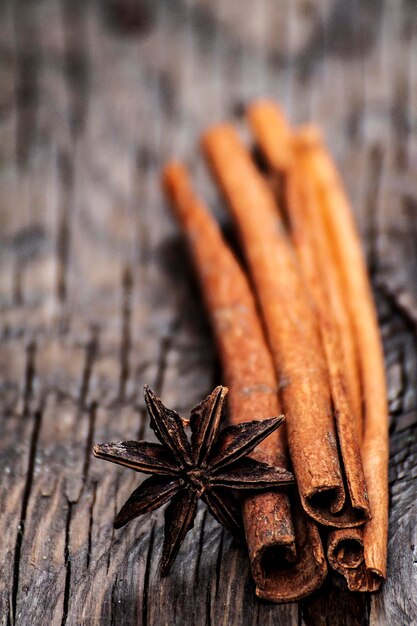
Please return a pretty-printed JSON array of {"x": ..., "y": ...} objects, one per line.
[{"x": 297, "y": 332}]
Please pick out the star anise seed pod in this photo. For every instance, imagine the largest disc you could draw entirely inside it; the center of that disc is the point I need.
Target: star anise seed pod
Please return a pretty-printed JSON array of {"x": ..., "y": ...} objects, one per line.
[{"x": 209, "y": 467}]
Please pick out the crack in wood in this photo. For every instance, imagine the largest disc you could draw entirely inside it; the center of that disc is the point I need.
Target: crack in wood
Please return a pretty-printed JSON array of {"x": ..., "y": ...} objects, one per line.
[
  {"x": 66, "y": 175},
  {"x": 200, "y": 548},
  {"x": 92, "y": 413},
  {"x": 17, "y": 284},
  {"x": 113, "y": 601},
  {"x": 126, "y": 340},
  {"x": 219, "y": 562},
  {"x": 147, "y": 574},
  {"x": 37, "y": 420},
  {"x": 67, "y": 562},
  {"x": 208, "y": 605},
  {"x": 27, "y": 82},
  {"x": 405, "y": 384},
  {"x": 143, "y": 421},
  {"x": 91, "y": 350},
  {"x": 165, "y": 346},
  {"x": 30, "y": 373},
  {"x": 76, "y": 66},
  {"x": 376, "y": 161},
  {"x": 115, "y": 510},
  {"x": 90, "y": 523}
]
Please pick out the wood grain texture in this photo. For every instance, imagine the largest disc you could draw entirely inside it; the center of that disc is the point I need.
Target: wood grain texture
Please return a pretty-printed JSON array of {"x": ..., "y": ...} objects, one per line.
[{"x": 98, "y": 297}]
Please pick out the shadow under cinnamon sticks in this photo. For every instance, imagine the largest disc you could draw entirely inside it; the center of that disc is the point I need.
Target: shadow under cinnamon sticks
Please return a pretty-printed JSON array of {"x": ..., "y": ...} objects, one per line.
[{"x": 285, "y": 550}]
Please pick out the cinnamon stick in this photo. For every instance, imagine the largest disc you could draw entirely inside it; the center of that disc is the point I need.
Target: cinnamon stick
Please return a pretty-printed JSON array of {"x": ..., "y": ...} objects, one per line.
[
  {"x": 287, "y": 559},
  {"x": 292, "y": 328},
  {"x": 275, "y": 139},
  {"x": 344, "y": 243},
  {"x": 324, "y": 283},
  {"x": 272, "y": 133}
]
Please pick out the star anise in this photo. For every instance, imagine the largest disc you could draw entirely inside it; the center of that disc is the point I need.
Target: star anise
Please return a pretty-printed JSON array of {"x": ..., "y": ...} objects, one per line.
[{"x": 214, "y": 463}]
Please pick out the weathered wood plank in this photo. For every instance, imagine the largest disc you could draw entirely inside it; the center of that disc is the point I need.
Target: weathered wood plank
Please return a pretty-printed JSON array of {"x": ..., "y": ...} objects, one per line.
[{"x": 95, "y": 96}]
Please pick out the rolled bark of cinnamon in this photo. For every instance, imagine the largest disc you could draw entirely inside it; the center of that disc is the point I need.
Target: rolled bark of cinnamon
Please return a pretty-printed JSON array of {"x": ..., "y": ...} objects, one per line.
[
  {"x": 276, "y": 141},
  {"x": 272, "y": 133},
  {"x": 346, "y": 555},
  {"x": 323, "y": 281},
  {"x": 318, "y": 270},
  {"x": 293, "y": 331},
  {"x": 346, "y": 547},
  {"x": 343, "y": 240},
  {"x": 274, "y": 138},
  {"x": 287, "y": 559}
]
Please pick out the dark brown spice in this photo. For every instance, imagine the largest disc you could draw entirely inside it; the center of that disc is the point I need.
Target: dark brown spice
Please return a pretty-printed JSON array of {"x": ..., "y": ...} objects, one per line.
[{"x": 214, "y": 463}]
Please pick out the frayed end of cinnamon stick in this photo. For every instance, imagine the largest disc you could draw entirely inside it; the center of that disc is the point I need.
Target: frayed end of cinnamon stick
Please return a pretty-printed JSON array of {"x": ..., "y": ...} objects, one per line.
[
  {"x": 345, "y": 553},
  {"x": 284, "y": 572}
]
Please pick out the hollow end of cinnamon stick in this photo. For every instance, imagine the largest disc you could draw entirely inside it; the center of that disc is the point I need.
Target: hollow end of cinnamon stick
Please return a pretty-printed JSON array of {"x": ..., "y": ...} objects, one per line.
[
  {"x": 323, "y": 500},
  {"x": 285, "y": 573},
  {"x": 349, "y": 553},
  {"x": 345, "y": 553},
  {"x": 324, "y": 506}
]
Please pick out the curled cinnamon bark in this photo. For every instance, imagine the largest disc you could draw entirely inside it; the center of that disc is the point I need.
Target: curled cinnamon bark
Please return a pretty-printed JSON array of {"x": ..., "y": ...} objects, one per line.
[
  {"x": 287, "y": 559},
  {"x": 293, "y": 332},
  {"x": 276, "y": 139},
  {"x": 338, "y": 245},
  {"x": 323, "y": 280},
  {"x": 318, "y": 270},
  {"x": 346, "y": 555},
  {"x": 344, "y": 242}
]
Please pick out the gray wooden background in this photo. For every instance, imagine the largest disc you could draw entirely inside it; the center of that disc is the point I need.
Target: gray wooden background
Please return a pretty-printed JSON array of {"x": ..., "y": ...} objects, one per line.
[{"x": 97, "y": 294}]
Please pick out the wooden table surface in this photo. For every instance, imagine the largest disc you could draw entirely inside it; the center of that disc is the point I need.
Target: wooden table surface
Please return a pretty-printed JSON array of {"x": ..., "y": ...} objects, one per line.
[{"x": 98, "y": 297}]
